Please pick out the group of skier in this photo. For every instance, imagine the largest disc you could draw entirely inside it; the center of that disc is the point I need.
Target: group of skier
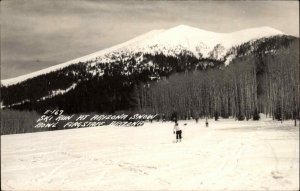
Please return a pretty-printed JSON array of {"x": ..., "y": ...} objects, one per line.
[{"x": 177, "y": 130}]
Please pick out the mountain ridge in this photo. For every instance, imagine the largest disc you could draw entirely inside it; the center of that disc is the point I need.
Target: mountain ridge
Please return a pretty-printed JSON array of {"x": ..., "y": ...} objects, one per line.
[
  {"x": 176, "y": 39},
  {"x": 122, "y": 82}
]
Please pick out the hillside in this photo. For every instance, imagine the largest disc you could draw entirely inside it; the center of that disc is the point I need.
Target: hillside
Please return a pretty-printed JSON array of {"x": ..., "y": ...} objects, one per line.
[
  {"x": 168, "y": 42},
  {"x": 107, "y": 81}
]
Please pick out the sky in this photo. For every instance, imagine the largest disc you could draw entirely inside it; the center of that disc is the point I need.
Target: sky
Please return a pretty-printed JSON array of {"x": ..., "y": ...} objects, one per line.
[{"x": 36, "y": 34}]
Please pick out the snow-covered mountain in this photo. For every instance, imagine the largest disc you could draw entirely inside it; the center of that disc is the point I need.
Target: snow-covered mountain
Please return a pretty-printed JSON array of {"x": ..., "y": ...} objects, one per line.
[
  {"x": 201, "y": 43},
  {"x": 105, "y": 80}
]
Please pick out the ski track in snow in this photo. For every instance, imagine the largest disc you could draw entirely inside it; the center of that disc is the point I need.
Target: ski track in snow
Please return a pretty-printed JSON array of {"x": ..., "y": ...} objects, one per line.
[{"x": 230, "y": 155}]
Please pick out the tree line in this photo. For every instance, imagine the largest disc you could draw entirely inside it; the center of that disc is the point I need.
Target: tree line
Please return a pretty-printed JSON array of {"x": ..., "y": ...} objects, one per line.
[{"x": 257, "y": 83}]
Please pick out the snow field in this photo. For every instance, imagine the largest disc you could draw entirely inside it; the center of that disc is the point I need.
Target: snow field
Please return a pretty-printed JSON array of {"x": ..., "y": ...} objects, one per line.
[{"x": 232, "y": 155}]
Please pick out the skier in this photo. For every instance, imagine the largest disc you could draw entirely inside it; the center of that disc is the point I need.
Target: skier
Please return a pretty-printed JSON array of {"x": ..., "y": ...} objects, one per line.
[
  {"x": 163, "y": 117},
  {"x": 206, "y": 122},
  {"x": 196, "y": 116},
  {"x": 178, "y": 132}
]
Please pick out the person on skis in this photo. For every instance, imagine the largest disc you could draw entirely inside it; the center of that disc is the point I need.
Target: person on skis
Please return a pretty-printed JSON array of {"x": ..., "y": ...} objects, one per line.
[{"x": 178, "y": 132}]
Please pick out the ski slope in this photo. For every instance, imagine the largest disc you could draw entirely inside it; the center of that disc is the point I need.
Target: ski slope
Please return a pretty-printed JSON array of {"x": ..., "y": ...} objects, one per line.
[{"x": 229, "y": 155}]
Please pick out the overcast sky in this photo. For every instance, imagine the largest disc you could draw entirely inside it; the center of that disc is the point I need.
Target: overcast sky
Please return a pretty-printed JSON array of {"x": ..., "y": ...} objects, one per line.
[{"x": 36, "y": 34}]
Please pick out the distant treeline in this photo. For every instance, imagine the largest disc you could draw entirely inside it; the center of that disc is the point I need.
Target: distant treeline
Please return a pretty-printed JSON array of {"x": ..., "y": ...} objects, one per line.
[
  {"x": 258, "y": 83},
  {"x": 14, "y": 122}
]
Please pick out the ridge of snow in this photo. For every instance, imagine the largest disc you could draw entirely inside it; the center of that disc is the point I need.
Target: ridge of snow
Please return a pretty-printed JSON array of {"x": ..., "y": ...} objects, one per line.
[
  {"x": 53, "y": 93},
  {"x": 18, "y": 79},
  {"x": 58, "y": 92},
  {"x": 190, "y": 38},
  {"x": 175, "y": 39}
]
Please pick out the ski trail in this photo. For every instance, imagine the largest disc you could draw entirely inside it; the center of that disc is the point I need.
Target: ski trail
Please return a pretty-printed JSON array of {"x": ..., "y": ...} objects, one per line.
[{"x": 229, "y": 155}]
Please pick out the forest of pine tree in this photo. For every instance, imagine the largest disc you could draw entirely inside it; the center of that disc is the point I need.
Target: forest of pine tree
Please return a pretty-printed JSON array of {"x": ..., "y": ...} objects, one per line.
[{"x": 253, "y": 84}]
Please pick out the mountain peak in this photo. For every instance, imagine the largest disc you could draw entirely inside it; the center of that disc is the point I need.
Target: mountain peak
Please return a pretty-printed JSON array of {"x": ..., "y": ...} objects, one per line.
[
  {"x": 182, "y": 27},
  {"x": 262, "y": 29},
  {"x": 189, "y": 29},
  {"x": 169, "y": 41},
  {"x": 186, "y": 28},
  {"x": 271, "y": 29}
]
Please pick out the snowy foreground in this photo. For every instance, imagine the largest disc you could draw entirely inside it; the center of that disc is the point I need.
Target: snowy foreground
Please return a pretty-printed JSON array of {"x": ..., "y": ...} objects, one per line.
[{"x": 230, "y": 155}]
